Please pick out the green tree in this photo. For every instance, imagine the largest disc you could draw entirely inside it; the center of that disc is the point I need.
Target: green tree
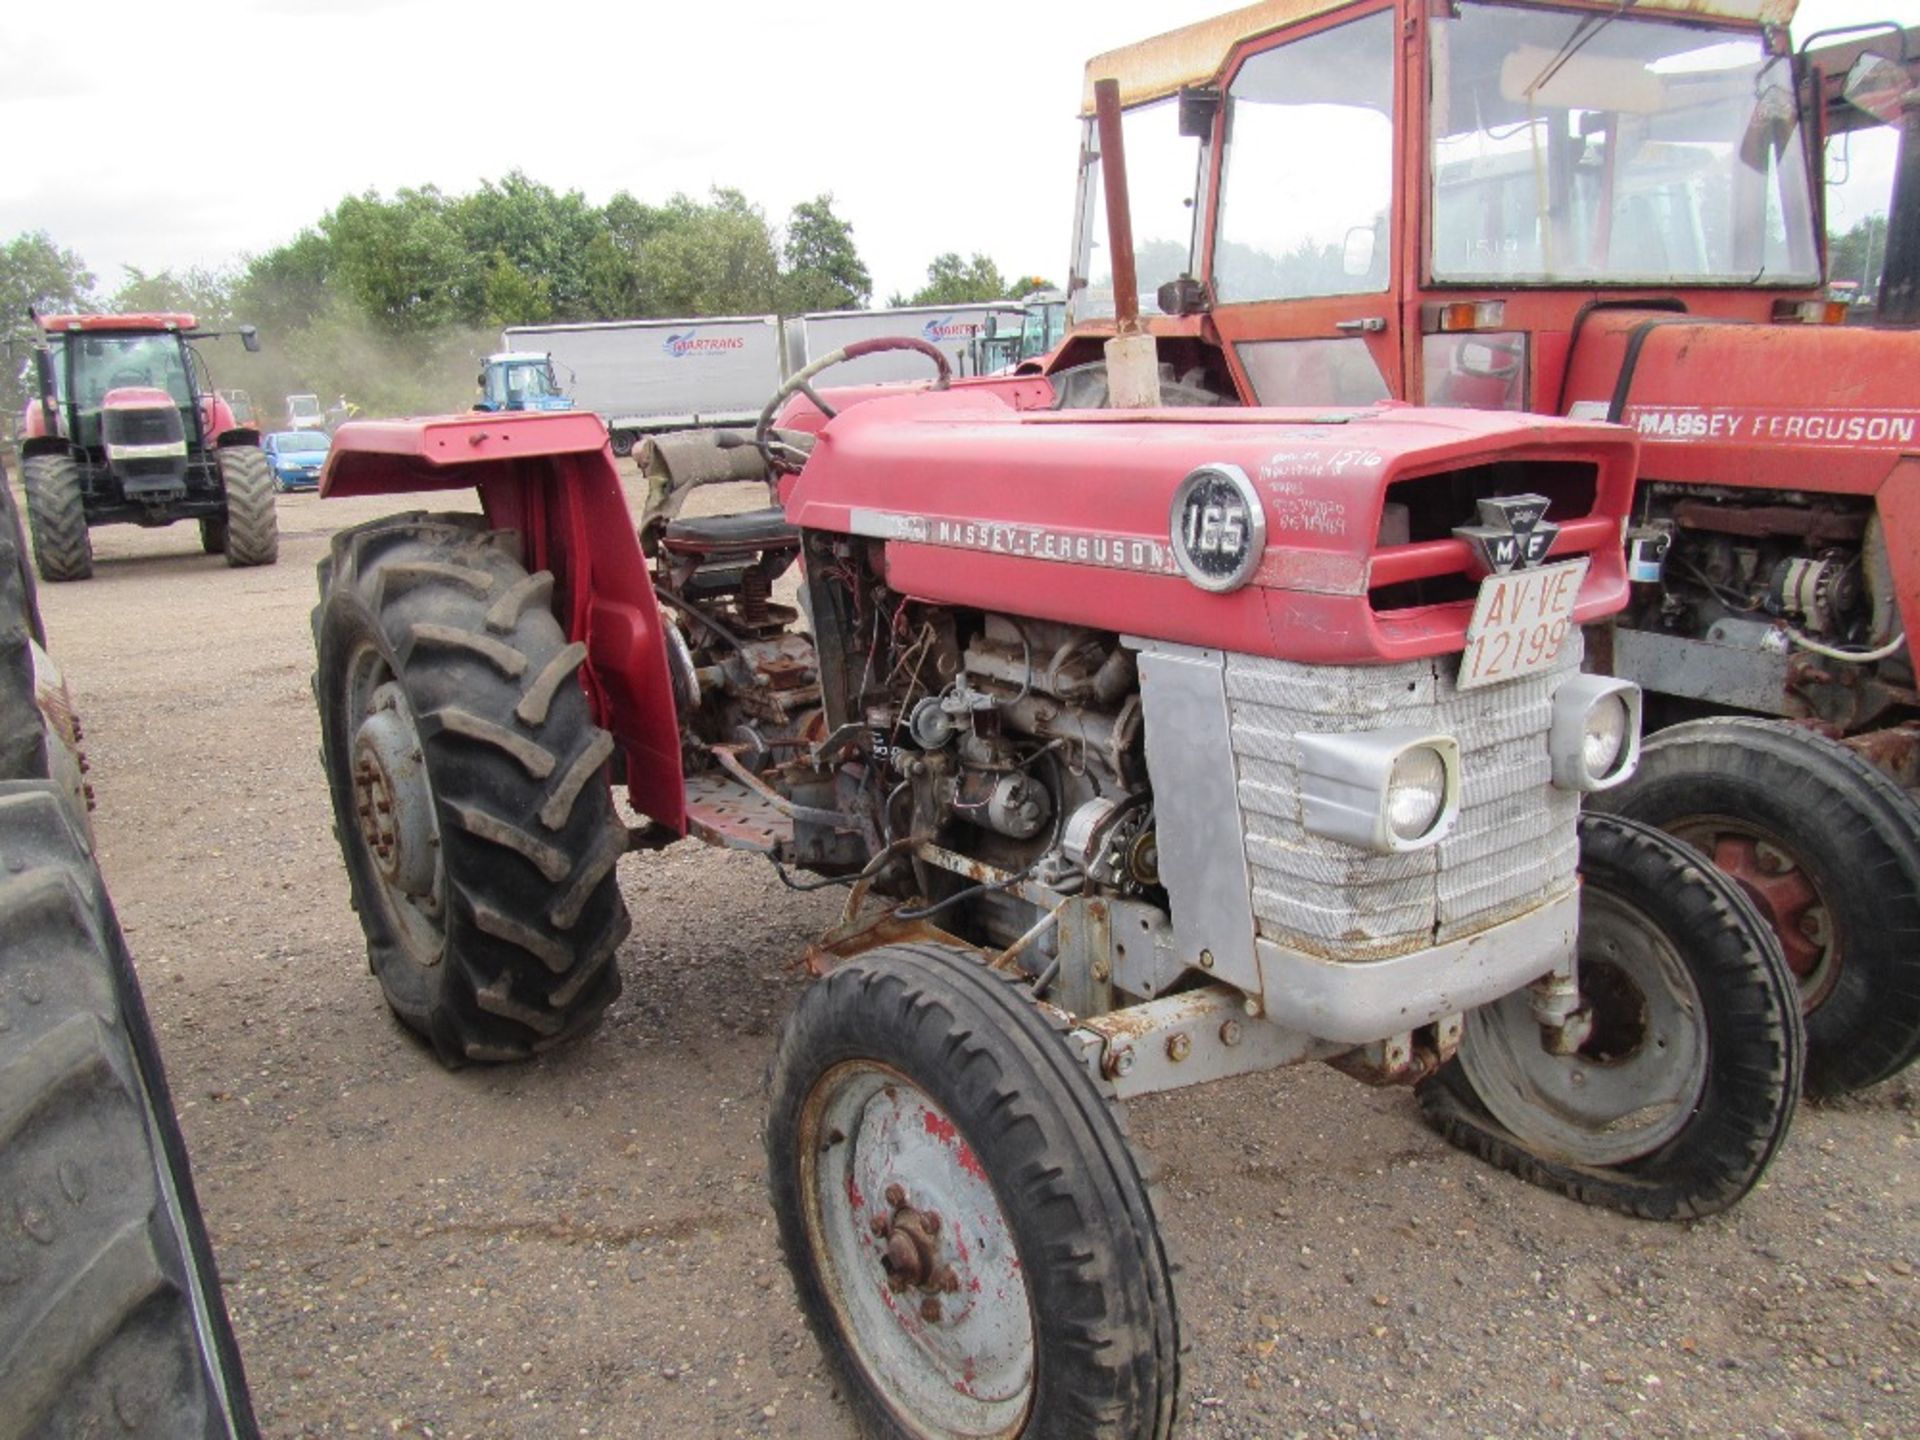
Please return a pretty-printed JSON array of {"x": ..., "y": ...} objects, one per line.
[
  {"x": 404, "y": 261},
  {"x": 515, "y": 298},
  {"x": 288, "y": 286},
  {"x": 539, "y": 233},
  {"x": 953, "y": 281},
  {"x": 1859, "y": 253},
  {"x": 36, "y": 273},
  {"x": 716, "y": 258},
  {"x": 823, "y": 268},
  {"x": 205, "y": 294}
]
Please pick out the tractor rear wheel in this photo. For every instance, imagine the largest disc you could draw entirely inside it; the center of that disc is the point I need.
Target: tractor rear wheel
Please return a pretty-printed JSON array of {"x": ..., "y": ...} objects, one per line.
[
  {"x": 57, "y": 511},
  {"x": 252, "y": 528},
  {"x": 1828, "y": 849},
  {"x": 469, "y": 789},
  {"x": 1675, "y": 1102},
  {"x": 967, "y": 1229}
]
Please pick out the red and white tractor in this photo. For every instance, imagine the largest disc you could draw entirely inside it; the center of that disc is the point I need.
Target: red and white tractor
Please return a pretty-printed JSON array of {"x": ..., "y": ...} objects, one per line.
[
  {"x": 1152, "y": 746},
  {"x": 125, "y": 427}
]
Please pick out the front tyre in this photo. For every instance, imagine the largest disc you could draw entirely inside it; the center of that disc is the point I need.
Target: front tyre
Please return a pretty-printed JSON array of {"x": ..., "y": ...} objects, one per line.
[
  {"x": 1674, "y": 1104},
  {"x": 57, "y": 514},
  {"x": 469, "y": 789},
  {"x": 252, "y": 528},
  {"x": 967, "y": 1229},
  {"x": 1828, "y": 849}
]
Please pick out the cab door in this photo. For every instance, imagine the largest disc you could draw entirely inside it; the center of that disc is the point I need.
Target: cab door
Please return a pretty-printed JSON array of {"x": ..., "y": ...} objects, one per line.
[{"x": 1303, "y": 246}]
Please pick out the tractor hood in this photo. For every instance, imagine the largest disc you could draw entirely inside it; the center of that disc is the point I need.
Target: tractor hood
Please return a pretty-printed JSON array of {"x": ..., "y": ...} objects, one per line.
[
  {"x": 1785, "y": 406},
  {"x": 1070, "y": 515}
]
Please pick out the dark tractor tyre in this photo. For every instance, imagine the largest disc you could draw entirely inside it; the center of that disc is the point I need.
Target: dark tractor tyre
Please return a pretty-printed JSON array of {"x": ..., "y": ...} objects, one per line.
[
  {"x": 1828, "y": 849},
  {"x": 252, "y": 526},
  {"x": 24, "y": 751},
  {"x": 57, "y": 511},
  {"x": 111, "y": 1318},
  {"x": 622, "y": 442},
  {"x": 967, "y": 1229},
  {"x": 1675, "y": 1103},
  {"x": 469, "y": 789},
  {"x": 213, "y": 534}
]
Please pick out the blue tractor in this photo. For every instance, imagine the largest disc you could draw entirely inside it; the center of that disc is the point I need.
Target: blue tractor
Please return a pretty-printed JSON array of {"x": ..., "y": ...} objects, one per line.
[{"x": 520, "y": 380}]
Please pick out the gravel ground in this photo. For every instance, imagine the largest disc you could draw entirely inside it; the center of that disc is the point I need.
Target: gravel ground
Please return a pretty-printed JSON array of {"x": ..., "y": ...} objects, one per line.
[{"x": 582, "y": 1246}]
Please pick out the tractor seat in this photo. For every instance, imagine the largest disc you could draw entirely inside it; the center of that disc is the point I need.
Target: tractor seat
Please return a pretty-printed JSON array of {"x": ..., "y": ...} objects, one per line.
[{"x": 748, "y": 531}]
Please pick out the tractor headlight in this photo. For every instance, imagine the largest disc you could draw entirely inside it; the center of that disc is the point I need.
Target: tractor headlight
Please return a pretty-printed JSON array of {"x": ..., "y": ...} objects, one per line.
[
  {"x": 1416, "y": 792},
  {"x": 1595, "y": 738},
  {"x": 1383, "y": 790}
]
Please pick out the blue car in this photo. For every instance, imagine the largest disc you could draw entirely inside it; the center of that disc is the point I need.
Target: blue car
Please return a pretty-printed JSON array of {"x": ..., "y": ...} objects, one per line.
[{"x": 295, "y": 457}]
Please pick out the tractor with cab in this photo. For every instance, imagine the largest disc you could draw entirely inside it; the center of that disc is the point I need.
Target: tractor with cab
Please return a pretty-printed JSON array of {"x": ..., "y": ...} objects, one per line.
[
  {"x": 125, "y": 427},
  {"x": 1561, "y": 208}
]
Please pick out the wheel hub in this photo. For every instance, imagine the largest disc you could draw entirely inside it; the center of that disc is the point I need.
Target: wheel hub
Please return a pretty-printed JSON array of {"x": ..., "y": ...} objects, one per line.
[
  {"x": 1784, "y": 894},
  {"x": 392, "y": 801},
  {"x": 924, "y": 1269}
]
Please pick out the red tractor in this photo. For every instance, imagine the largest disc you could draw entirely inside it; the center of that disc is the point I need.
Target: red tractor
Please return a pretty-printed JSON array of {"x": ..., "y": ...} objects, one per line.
[
  {"x": 126, "y": 427},
  {"x": 1581, "y": 209},
  {"x": 1151, "y": 746}
]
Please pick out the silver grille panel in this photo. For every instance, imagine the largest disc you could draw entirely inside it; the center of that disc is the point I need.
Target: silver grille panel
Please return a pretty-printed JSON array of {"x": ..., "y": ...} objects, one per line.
[{"x": 1514, "y": 844}]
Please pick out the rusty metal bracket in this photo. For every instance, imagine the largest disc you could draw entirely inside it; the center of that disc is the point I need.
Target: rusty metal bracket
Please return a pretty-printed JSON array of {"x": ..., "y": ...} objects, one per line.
[{"x": 1188, "y": 1039}]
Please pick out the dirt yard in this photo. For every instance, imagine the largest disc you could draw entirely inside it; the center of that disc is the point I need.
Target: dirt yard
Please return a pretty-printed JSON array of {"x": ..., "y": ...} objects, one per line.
[{"x": 583, "y": 1246}]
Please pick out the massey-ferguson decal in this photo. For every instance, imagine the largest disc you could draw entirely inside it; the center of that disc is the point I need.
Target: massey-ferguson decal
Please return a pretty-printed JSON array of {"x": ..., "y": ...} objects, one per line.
[
  {"x": 1825, "y": 425},
  {"x": 1022, "y": 541}
]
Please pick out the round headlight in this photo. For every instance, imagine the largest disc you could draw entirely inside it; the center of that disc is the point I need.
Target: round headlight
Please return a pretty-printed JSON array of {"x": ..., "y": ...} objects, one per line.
[
  {"x": 1218, "y": 527},
  {"x": 1608, "y": 725},
  {"x": 1416, "y": 792}
]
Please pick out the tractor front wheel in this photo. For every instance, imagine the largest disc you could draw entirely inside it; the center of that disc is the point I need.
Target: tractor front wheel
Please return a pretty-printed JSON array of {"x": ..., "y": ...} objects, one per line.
[
  {"x": 1828, "y": 849},
  {"x": 1673, "y": 1103},
  {"x": 251, "y": 529},
  {"x": 213, "y": 534},
  {"x": 469, "y": 789},
  {"x": 966, "y": 1227},
  {"x": 57, "y": 514}
]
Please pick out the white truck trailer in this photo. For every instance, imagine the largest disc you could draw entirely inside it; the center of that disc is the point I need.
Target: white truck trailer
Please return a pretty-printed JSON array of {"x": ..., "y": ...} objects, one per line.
[
  {"x": 646, "y": 376},
  {"x": 951, "y": 327}
]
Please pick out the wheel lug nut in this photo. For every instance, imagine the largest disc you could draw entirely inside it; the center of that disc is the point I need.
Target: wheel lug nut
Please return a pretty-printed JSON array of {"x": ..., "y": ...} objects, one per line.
[
  {"x": 879, "y": 1224},
  {"x": 930, "y": 1310},
  {"x": 896, "y": 1195},
  {"x": 931, "y": 1221}
]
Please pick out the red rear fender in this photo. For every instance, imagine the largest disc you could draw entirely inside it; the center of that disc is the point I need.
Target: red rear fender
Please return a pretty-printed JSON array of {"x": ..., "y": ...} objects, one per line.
[{"x": 551, "y": 478}]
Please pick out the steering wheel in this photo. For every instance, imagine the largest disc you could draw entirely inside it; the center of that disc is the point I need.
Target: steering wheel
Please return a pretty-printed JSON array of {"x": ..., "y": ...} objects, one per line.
[
  {"x": 780, "y": 455},
  {"x": 121, "y": 378}
]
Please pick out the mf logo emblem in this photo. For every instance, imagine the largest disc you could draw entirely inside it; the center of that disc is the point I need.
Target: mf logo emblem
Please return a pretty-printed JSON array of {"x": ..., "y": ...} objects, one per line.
[{"x": 1513, "y": 533}]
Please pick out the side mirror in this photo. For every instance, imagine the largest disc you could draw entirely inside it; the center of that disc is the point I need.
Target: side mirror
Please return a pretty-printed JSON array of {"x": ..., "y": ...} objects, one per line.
[
  {"x": 1197, "y": 109},
  {"x": 1875, "y": 85},
  {"x": 1356, "y": 257},
  {"x": 1184, "y": 296},
  {"x": 250, "y": 339}
]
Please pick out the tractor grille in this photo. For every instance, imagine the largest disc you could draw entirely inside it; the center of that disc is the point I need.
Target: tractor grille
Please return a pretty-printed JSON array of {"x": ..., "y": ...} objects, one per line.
[
  {"x": 141, "y": 427},
  {"x": 1512, "y": 847}
]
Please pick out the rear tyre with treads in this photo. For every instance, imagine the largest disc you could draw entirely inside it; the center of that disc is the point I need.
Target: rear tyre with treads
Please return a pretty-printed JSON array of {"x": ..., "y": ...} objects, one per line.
[{"x": 469, "y": 789}]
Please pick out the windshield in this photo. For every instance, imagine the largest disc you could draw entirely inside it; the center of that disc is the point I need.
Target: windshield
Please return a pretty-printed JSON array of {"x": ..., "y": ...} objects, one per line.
[
  {"x": 303, "y": 406},
  {"x": 109, "y": 362},
  {"x": 1306, "y": 192},
  {"x": 1163, "y": 178},
  {"x": 1595, "y": 149},
  {"x": 530, "y": 382},
  {"x": 302, "y": 442}
]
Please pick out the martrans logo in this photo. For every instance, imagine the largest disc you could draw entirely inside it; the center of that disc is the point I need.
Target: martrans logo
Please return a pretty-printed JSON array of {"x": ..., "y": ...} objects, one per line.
[
  {"x": 945, "y": 327},
  {"x": 693, "y": 342}
]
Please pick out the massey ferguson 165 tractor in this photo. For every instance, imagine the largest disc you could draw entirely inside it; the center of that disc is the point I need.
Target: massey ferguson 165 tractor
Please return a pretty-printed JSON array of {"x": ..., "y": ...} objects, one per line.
[
  {"x": 126, "y": 427},
  {"x": 1152, "y": 746},
  {"x": 1610, "y": 213}
]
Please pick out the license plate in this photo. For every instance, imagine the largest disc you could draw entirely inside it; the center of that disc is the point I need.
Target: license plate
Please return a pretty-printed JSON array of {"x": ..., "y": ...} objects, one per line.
[{"x": 1520, "y": 622}]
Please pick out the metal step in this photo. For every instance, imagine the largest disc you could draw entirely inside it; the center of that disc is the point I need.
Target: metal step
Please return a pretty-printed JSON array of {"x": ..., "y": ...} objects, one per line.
[{"x": 722, "y": 811}]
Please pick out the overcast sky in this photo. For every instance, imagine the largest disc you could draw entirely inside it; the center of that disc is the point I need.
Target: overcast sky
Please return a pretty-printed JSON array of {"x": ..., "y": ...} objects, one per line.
[{"x": 165, "y": 136}]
